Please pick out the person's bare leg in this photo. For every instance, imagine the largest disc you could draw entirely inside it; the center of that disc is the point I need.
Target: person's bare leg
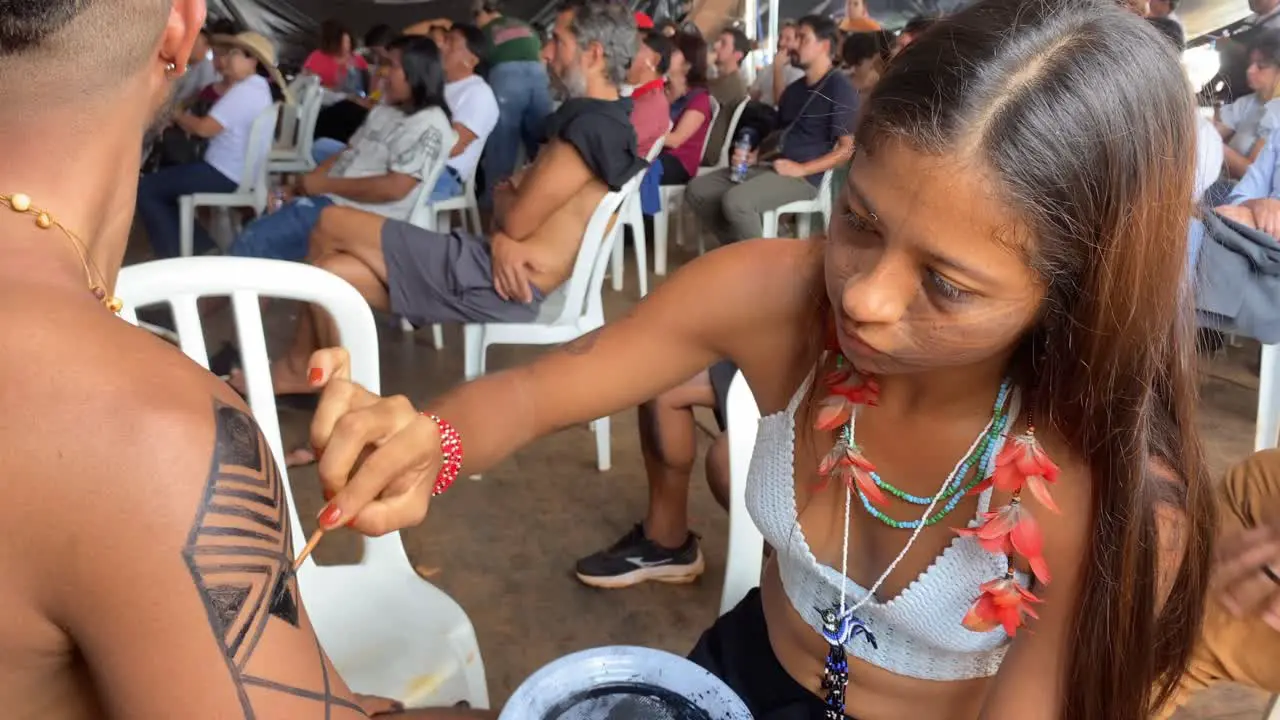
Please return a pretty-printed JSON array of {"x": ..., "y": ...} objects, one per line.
[
  {"x": 717, "y": 465},
  {"x": 348, "y": 243},
  {"x": 669, "y": 443}
]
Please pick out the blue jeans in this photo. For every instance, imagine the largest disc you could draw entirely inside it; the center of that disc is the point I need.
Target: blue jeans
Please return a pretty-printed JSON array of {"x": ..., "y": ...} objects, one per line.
[
  {"x": 524, "y": 102},
  {"x": 448, "y": 186},
  {"x": 158, "y": 195},
  {"x": 324, "y": 148},
  {"x": 284, "y": 234}
]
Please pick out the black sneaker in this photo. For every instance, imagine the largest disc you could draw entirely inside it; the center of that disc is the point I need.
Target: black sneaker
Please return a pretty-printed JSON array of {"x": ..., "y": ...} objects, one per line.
[{"x": 635, "y": 559}]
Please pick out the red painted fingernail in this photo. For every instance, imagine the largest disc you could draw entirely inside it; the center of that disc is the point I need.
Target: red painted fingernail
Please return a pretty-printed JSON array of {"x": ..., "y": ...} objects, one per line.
[
  {"x": 315, "y": 375},
  {"x": 330, "y": 517}
]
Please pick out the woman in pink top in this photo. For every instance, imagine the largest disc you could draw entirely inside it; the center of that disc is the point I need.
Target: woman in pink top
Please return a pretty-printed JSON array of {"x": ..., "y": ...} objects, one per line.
[
  {"x": 690, "y": 110},
  {"x": 337, "y": 67}
]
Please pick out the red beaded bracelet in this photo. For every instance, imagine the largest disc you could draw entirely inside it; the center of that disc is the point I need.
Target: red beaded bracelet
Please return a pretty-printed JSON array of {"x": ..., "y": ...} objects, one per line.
[{"x": 450, "y": 455}]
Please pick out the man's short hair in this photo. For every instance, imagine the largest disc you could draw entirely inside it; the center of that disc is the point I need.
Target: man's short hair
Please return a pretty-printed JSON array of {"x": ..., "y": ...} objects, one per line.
[
  {"x": 474, "y": 38},
  {"x": 823, "y": 27},
  {"x": 741, "y": 43},
  {"x": 612, "y": 25},
  {"x": 76, "y": 46}
]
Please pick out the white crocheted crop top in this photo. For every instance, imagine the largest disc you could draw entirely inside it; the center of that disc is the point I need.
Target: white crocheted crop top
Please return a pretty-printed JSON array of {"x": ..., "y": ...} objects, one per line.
[{"x": 919, "y": 632}]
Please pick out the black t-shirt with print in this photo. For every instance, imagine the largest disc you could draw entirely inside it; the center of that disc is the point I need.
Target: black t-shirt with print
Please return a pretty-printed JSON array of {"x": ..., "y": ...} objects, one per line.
[{"x": 601, "y": 132}]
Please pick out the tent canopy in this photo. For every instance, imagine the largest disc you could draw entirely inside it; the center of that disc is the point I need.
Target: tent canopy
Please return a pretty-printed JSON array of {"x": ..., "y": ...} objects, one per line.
[{"x": 293, "y": 23}]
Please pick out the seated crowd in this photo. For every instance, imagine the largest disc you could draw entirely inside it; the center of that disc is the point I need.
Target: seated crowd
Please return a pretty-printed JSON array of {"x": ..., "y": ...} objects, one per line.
[{"x": 411, "y": 120}]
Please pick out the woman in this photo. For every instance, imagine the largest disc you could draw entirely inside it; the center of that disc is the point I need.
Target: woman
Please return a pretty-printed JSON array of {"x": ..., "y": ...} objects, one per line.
[
  {"x": 690, "y": 110},
  {"x": 1000, "y": 304},
  {"x": 338, "y": 68},
  {"x": 856, "y": 18},
  {"x": 401, "y": 143},
  {"x": 865, "y": 56},
  {"x": 1246, "y": 123},
  {"x": 244, "y": 59}
]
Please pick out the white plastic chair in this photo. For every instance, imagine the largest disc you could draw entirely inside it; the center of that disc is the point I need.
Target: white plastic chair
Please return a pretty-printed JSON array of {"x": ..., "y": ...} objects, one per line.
[
  {"x": 727, "y": 148},
  {"x": 252, "y": 192},
  {"x": 633, "y": 217},
  {"x": 804, "y": 208},
  {"x": 466, "y": 203},
  {"x": 293, "y": 153},
  {"x": 571, "y": 311},
  {"x": 385, "y": 628},
  {"x": 423, "y": 214},
  {"x": 746, "y": 544},
  {"x": 1268, "y": 424},
  {"x": 288, "y": 126},
  {"x": 672, "y": 197}
]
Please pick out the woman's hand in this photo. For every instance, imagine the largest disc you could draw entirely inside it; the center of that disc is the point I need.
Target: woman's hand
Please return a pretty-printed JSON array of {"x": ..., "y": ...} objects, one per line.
[
  {"x": 378, "y": 457},
  {"x": 1247, "y": 576}
]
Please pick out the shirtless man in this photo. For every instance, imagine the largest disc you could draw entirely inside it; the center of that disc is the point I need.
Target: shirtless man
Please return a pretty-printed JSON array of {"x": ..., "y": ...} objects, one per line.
[
  {"x": 541, "y": 214},
  {"x": 145, "y": 551}
]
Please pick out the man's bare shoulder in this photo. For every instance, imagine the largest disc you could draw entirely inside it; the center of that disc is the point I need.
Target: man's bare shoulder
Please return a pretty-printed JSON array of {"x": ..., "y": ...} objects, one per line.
[{"x": 90, "y": 398}]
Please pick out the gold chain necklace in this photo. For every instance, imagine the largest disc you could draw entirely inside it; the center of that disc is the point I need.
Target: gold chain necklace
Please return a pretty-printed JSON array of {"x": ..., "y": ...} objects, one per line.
[{"x": 20, "y": 203}]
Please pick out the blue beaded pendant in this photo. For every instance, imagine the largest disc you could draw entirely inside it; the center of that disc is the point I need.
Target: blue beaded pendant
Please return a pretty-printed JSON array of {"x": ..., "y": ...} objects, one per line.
[{"x": 837, "y": 630}]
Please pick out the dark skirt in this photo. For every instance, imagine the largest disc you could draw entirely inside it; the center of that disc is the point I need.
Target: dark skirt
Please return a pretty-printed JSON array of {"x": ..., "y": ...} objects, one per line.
[{"x": 736, "y": 649}]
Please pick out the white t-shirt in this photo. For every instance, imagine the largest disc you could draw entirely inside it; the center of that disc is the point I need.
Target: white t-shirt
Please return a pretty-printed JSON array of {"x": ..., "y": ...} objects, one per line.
[
  {"x": 1251, "y": 119},
  {"x": 1208, "y": 156},
  {"x": 764, "y": 80},
  {"x": 235, "y": 112},
  {"x": 391, "y": 142},
  {"x": 474, "y": 106}
]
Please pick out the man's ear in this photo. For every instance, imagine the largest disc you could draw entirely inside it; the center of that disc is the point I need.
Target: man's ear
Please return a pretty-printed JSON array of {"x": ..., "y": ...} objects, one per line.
[{"x": 186, "y": 17}]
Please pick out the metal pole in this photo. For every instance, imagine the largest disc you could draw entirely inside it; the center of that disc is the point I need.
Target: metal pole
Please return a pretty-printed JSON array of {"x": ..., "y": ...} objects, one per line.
[{"x": 773, "y": 27}]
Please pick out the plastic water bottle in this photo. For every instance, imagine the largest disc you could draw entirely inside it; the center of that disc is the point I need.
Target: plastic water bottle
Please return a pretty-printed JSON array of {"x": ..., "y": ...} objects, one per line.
[{"x": 738, "y": 163}]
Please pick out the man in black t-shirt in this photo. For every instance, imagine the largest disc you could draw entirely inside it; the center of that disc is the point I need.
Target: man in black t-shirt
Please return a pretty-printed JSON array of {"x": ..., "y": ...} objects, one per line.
[
  {"x": 816, "y": 116},
  {"x": 539, "y": 215}
]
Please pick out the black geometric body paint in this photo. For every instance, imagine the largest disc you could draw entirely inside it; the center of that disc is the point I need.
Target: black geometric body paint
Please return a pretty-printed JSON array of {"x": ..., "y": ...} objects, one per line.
[{"x": 240, "y": 555}]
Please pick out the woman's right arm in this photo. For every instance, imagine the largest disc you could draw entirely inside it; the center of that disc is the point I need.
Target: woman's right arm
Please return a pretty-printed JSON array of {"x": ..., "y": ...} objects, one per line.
[
  {"x": 688, "y": 124},
  {"x": 749, "y": 302}
]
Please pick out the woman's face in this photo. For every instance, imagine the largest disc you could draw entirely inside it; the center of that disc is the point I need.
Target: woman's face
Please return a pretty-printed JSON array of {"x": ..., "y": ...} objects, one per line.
[
  {"x": 1262, "y": 73},
  {"x": 398, "y": 90},
  {"x": 679, "y": 67},
  {"x": 344, "y": 47},
  {"x": 865, "y": 74},
  {"x": 643, "y": 66},
  {"x": 925, "y": 268},
  {"x": 236, "y": 63}
]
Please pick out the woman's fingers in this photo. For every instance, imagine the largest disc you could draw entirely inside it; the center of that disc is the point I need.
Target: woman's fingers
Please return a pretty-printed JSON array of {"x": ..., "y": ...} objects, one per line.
[
  {"x": 360, "y": 427},
  {"x": 1239, "y": 578},
  {"x": 328, "y": 364}
]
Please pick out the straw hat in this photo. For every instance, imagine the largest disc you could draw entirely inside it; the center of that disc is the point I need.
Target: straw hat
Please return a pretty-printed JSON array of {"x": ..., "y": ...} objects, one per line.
[{"x": 258, "y": 47}]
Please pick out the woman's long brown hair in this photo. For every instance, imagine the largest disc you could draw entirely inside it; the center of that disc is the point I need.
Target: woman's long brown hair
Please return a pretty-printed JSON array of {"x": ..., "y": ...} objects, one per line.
[{"x": 1084, "y": 115}]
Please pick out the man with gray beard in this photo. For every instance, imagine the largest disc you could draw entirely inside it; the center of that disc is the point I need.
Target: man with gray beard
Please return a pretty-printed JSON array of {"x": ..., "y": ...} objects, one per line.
[{"x": 539, "y": 214}]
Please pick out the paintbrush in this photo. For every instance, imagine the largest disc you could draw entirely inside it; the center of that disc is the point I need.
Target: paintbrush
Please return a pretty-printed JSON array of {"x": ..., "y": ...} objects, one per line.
[{"x": 306, "y": 551}]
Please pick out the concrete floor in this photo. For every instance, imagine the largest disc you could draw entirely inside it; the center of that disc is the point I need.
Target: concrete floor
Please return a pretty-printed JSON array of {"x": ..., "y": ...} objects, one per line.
[{"x": 504, "y": 547}]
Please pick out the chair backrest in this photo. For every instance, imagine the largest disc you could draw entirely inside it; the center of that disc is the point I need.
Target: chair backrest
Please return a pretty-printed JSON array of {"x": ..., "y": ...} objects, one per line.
[
  {"x": 421, "y": 213},
  {"x": 582, "y": 291},
  {"x": 730, "y": 131},
  {"x": 180, "y": 282},
  {"x": 298, "y": 88},
  {"x": 824, "y": 198},
  {"x": 746, "y": 544},
  {"x": 308, "y": 115},
  {"x": 711, "y": 124},
  {"x": 253, "y": 179}
]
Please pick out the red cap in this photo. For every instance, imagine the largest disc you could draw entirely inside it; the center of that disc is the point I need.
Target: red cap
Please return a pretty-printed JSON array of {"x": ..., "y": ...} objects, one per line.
[{"x": 643, "y": 21}]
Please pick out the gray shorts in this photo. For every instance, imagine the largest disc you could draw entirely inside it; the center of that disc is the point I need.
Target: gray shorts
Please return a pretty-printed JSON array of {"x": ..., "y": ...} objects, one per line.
[{"x": 432, "y": 277}]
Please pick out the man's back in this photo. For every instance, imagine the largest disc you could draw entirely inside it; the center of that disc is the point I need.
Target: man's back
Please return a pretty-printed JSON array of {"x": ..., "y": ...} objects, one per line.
[{"x": 146, "y": 553}]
